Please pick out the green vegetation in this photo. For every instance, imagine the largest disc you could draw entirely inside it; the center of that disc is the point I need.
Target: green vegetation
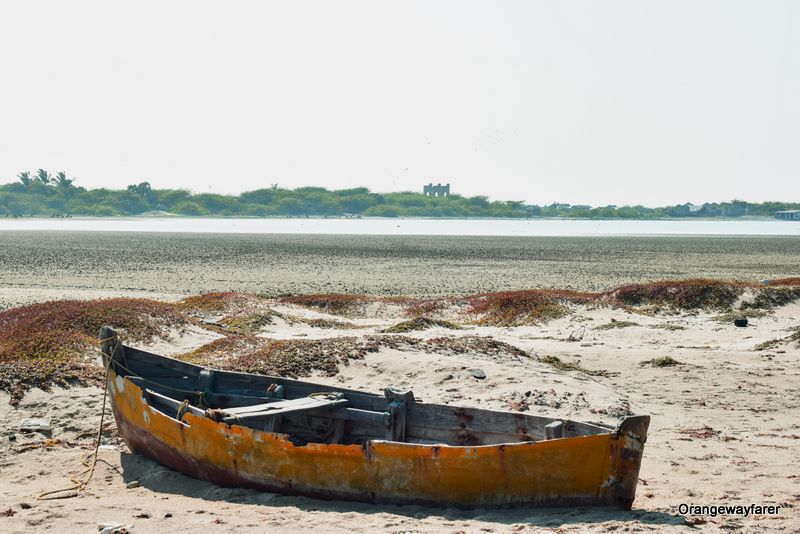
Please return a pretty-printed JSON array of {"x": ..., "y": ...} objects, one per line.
[
  {"x": 326, "y": 324},
  {"x": 661, "y": 361},
  {"x": 526, "y": 307},
  {"x": 731, "y": 316},
  {"x": 773, "y": 343},
  {"x": 669, "y": 327},
  {"x": 420, "y": 323},
  {"x": 217, "y": 302},
  {"x": 45, "y": 195},
  {"x": 772, "y": 297},
  {"x": 557, "y": 363},
  {"x": 293, "y": 357},
  {"x": 337, "y": 304},
  {"x": 615, "y": 324},
  {"x": 247, "y": 323}
]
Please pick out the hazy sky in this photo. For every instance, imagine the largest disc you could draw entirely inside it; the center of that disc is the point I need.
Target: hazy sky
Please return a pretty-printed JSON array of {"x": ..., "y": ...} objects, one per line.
[{"x": 582, "y": 102}]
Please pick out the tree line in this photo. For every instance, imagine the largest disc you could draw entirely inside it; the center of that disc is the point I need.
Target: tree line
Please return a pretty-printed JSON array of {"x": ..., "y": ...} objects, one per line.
[{"x": 43, "y": 194}]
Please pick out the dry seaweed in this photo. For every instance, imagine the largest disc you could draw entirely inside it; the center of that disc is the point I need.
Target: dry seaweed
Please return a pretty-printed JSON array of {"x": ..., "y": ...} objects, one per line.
[
  {"x": 661, "y": 361},
  {"x": 615, "y": 324},
  {"x": 525, "y": 307},
  {"x": 420, "y": 323},
  {"x": 557, "y": 363},
  {"x": 333, "y": 303}
]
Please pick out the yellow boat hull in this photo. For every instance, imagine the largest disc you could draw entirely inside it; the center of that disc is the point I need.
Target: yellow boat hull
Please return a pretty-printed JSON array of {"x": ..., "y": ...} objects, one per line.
[{"x": 598, "y": 469}]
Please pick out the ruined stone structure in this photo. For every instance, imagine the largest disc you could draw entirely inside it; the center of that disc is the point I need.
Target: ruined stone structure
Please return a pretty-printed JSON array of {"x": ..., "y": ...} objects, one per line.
[{"x": 437, "y": 190}]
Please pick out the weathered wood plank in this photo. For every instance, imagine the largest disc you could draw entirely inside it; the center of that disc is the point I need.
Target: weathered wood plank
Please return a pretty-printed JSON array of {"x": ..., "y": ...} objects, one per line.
[
  {"x": 397, "y": 405},
  {"x": 554, "y": 430},
  {"x": 378, "y": 419},
  {"x": 288, "y": 407},
  {"x": 143, "y": 362},
  {"x": 269, "y": 408},
  {"x": 477, "y": 421}
]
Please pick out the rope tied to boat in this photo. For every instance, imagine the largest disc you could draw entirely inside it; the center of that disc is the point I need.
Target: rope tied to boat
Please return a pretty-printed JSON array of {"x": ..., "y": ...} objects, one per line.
[
  {"x": 80, "y": 485},
  {"x": 149, "y": 381}
]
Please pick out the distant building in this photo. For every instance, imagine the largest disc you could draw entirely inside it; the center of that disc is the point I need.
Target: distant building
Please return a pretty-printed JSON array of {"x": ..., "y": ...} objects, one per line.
[
  {"x": 437, "y": 190},
  {"x": 693, "y": 208},
  {"x": 788, "y": 215}
]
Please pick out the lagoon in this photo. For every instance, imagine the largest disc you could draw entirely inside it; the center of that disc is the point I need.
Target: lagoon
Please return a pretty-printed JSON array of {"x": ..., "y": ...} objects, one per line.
[{"x": 413, "y": 226}]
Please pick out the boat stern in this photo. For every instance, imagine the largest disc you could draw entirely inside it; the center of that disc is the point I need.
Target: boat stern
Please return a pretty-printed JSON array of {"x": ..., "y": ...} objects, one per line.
[{"x": 625, "y": 455}]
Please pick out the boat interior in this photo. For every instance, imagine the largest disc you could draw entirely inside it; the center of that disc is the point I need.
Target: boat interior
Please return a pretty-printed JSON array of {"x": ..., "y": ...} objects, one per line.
[{"x": 313, "y": 413}]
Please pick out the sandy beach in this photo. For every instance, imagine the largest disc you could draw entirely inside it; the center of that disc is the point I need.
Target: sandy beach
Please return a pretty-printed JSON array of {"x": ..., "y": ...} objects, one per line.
[{"x": 724, "y": 416}]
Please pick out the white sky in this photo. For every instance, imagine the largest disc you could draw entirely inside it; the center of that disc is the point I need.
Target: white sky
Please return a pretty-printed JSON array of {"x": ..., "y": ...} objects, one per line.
[{"x": 570, "y": 101}]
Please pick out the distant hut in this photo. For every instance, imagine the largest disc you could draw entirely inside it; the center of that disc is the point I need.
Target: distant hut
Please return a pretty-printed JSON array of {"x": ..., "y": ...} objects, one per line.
[{"x": 788, "y": 215}]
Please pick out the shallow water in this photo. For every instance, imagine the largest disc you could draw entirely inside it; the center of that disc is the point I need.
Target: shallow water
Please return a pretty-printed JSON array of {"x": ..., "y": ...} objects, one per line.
[{"x": 418, "y": 227}]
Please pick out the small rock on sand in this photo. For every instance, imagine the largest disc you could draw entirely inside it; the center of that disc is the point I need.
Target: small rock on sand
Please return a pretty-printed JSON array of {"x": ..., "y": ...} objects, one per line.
[{"x": 35, "y": 425}]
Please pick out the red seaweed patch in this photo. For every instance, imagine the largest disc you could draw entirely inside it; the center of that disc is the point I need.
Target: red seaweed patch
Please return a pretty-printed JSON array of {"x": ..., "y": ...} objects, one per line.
[
  {"x": 421, "y": 307},
  {"x": 792, "y": 281},
  {"x": 50, "y": 343},
  {"x": 690, "y": 294}
]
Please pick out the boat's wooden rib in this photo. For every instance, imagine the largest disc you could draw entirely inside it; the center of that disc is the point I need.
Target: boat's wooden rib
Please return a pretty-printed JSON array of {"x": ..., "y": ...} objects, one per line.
[{"x": 295, "y": 437}]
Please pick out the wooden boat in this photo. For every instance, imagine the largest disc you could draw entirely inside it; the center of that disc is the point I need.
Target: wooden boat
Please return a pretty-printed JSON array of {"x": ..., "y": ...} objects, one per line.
[{"x": 294, "y": 437}]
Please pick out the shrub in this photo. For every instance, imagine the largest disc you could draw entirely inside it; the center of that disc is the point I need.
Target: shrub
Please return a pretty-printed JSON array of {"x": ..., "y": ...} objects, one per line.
[
  {"x": 680, "y": 294},
  {"x": 214, "y": 302},
  {"x": 512, "y": 308},
  {"x": 661, "y": 361},
  {"x": 420, "y": 323},
  {"x": 335, "y": 303},
  {"x": 47, "y": 344}
]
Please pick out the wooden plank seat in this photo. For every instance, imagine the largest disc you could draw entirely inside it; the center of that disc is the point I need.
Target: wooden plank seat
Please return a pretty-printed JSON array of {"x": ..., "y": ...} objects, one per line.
[{"x": 283, "y": 407}]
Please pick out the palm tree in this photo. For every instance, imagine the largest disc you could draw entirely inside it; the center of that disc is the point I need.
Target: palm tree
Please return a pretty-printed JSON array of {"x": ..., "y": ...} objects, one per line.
[
  {"x": 25, "y": 178},
  {"x": 43, "y": 176},
  {"x": 61, "y": 180}
]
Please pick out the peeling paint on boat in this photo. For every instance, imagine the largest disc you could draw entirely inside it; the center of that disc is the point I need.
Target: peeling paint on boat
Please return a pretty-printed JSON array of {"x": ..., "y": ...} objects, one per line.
[{"x": 633, "y": 443}]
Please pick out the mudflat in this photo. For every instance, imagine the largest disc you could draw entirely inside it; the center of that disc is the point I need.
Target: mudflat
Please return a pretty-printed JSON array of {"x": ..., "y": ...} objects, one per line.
[{"x": 37, "y": 266}]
